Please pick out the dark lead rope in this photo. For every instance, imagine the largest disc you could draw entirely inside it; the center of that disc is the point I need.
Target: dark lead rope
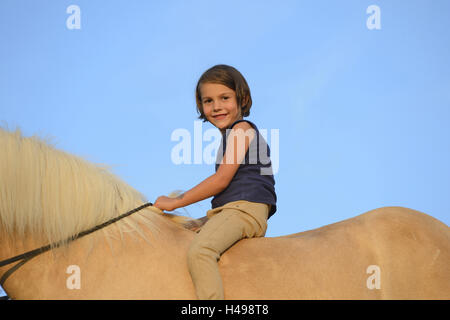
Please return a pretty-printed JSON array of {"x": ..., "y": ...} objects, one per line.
[{"x": 27, "y": 256}]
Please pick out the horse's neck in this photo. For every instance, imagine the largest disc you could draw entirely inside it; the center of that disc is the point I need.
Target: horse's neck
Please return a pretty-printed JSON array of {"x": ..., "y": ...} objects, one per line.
[{"x": 102, "y": 264}]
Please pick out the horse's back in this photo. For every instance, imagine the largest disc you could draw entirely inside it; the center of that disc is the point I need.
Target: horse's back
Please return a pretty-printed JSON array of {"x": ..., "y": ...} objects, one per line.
[{"x": 410, "y": 249}]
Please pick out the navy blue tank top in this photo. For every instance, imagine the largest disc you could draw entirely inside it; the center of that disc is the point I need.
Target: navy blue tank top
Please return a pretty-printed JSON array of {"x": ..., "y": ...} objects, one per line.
[{"x": 254, "y": 179}]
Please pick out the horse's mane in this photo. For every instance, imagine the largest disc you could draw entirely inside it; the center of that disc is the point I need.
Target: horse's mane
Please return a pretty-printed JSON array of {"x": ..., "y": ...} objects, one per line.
[{"x": 50, "y": 195}]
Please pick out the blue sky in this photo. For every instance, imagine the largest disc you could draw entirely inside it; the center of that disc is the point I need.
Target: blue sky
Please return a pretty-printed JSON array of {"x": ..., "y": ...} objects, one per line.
[{"x": 363, "y": 115}]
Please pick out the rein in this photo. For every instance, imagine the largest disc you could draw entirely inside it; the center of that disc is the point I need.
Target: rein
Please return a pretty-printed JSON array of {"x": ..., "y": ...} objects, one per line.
[{"x": 27, "y": 256}]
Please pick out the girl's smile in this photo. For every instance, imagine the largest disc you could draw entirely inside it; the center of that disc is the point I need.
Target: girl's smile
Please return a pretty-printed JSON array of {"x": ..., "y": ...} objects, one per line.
[{"x": 219, "y": 105}]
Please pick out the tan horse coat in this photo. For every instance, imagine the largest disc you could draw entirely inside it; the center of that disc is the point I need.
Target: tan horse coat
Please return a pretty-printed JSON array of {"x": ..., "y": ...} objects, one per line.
[
  {"x": 411, "y": 249},
  {"x": 144, "y": 257}
]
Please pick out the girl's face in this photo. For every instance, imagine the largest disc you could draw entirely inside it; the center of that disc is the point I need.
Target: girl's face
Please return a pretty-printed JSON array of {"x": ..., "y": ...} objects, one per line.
[{"x": 219, "y": 105}]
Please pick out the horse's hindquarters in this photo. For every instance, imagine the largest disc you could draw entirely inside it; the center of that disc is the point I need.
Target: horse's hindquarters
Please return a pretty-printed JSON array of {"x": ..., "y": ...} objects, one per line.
[{"x": 388, "y": 253}]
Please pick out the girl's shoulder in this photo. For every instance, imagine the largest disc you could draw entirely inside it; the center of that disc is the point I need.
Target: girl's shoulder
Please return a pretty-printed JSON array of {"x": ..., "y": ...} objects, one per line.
[{"x": 244, "y": 120}]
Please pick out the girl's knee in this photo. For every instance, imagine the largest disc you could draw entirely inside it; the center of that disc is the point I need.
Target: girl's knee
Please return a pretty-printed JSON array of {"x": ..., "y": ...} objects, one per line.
[
  {"x": 196, "y": 251},
  {"x": 200, "y": 253}
]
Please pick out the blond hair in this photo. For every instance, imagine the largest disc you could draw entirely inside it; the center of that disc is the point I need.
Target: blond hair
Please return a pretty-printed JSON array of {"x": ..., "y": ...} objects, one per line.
[{"x": 50, "y": 195}]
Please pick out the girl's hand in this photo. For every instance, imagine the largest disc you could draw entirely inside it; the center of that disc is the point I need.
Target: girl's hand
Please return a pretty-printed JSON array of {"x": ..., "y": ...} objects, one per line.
[{"x": 166, "y": 203}]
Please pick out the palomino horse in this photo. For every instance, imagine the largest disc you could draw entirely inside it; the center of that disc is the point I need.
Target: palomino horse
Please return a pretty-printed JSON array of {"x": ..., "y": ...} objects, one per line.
[{"x": 47, "y": 195}]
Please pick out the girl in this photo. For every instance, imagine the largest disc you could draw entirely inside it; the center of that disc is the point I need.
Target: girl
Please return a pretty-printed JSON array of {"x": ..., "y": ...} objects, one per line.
[{"x": 243, "y": 185}]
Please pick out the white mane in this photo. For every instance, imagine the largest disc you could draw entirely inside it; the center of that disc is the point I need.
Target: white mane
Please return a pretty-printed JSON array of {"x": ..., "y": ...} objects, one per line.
[{"x": 50, "y": 195}]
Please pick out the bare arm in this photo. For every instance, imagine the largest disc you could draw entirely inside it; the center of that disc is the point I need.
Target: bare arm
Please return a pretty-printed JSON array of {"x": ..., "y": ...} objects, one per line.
[
  {"x": 205, "y": 189},
  {"x": 237, "y": 146}
]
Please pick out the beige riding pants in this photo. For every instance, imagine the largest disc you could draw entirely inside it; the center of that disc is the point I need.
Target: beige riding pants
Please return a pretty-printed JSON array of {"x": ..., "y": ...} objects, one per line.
[{"x": 226, "y": 225}]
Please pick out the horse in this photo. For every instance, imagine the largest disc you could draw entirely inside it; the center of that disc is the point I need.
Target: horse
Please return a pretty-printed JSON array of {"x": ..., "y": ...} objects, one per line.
[{"x": 48, "y": 196}]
